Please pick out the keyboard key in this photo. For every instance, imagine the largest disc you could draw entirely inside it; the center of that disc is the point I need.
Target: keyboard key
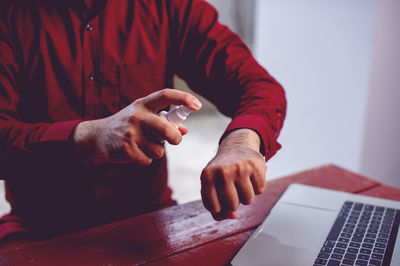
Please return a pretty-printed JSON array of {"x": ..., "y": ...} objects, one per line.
[
  {"x": 365, "y": 251},
  {"x": 352, "y": 221},
  {"x": 358, "y": 206},
  {"x": 337, "y": 256},
  {"x": 347, "y": 204},
  {"x": 329, "y": 243},
  {"x": 382, "y": 235},
  {"x": 345, "y": 235},
  {"x": 326, "y": 250},
  {"x": 350, "y": 256},
  {"x": 387, "y": 222},
  {"x": 367, "y": 245},
  {"x": 361, "y": 262},
  {"x": 344, "y": 240},
  {"x": 369, "y": 207},
  {"x": 353, "y": 250},
  {"x": 380, "y": 245},
  {"x": 375, "y": 262},
  {"x": 379, "y": 250},
  {"x": 322, "y": 255},
  {"x": 333, "y": 262},
  {"x": 341, "y": 245},
  {"x": 356, "y": 239},
  {"x": 320, "y": 262},
  {"x": 347, "y": 230},
  {"x": 360, "y": 230},
  {"x": 348, "y": 262},
  {"x": 362, "y": 226},
  {"x": 363, "y": 257},
  {"x": 385, "y": 231},
  {"x": 381, "y": 240},
  {"x": 354, "y": 245},
  {"x": 377, "y": 256},
  {"x": 369, "y": 240},
  {"x": 351, "y": 226},
  {"x": 385, "y": 226},
  {"x": 358, "y": 235},
  {"x": 339, "y": 250}
]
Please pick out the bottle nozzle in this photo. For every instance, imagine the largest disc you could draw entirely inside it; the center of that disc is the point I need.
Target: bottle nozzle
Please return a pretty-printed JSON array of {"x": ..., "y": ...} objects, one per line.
[{"x": 177, "y": 114}]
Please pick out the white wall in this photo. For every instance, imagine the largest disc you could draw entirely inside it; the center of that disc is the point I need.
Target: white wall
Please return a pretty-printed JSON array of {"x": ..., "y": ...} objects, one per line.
[
  {"x": 321, "y": 53},
  {"x": 381, "y": 150}
]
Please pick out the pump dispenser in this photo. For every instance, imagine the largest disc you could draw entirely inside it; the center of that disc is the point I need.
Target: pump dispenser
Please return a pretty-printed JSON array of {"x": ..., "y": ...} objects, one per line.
[{"x": 176, "y": 115}]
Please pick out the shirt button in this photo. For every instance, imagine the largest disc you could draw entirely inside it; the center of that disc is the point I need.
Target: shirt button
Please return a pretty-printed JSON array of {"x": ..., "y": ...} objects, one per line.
[
  {"x": 89, "y": 27},
  {"x": 92, "y": 76}
]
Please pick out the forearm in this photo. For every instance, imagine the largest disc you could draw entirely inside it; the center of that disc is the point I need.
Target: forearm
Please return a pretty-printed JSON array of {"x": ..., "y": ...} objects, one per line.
[{"x": 242, "y": 137}]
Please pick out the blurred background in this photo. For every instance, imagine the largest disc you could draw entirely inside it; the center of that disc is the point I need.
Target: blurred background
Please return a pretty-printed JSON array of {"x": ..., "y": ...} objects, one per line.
[{"x": 339, "y": 63}]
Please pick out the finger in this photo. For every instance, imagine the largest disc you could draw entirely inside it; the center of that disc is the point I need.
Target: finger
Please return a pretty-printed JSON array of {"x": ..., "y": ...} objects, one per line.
[
  {"x": 209, "y": 193},
  {"x": 227, "y": 196},
  {"x": 183, "y": 129},
  {"x": 258, "y": 178},
  {"x": 136, "y": 155},
  {"x": 225, "y": 215},
  {"x": 152, "y": 149},
  {"x": 161, "y": 129},
  {"x": 166, "y": 97},
  {"x": 245, "y": 190}
]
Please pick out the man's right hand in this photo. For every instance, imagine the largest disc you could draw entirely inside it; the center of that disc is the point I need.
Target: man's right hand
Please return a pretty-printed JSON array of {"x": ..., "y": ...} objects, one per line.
[{"x": 134, "y": 134}]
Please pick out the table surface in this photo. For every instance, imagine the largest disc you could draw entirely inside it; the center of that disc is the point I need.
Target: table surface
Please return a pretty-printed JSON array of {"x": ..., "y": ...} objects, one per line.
[{"x": 184, "y": 234}]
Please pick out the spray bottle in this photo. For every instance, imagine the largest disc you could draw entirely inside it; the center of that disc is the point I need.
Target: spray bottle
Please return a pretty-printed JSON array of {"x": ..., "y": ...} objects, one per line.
[{"x": 176, "y": 115}]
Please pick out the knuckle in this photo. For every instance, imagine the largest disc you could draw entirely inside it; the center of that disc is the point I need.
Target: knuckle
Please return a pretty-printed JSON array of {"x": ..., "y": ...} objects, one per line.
[
  {"x": 165, "y": 93},
  {"x": 206, "y": 177},
  {"x": 224, "y": 171},
  {"x": 164, "y": 129}
]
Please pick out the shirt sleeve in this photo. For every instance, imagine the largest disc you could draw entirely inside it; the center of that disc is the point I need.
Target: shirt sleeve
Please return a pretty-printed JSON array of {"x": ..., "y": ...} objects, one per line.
[
  {"x": 24, "y": 145},
  {"x": 217, "y": 64}
]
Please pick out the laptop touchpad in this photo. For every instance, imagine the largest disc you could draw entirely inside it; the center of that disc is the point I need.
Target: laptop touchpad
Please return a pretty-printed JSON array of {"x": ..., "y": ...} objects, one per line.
[{"x": 296, "y": 225}]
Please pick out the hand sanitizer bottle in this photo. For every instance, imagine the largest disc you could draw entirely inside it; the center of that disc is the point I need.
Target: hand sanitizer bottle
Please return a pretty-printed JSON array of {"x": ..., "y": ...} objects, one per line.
[{"x": 176, "y": 115}]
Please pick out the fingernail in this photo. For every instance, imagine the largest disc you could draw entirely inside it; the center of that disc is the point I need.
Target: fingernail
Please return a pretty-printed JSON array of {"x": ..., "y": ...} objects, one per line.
[{"x": 197, "y": 104}]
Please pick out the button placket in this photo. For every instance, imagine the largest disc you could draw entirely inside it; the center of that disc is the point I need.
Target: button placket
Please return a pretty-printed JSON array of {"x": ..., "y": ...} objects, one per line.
[{"x": 89, "y": 27}]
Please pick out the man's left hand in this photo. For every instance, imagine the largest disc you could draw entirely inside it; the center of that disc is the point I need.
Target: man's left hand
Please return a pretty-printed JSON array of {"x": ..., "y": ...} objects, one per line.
[{"x": 234, "y": 176}]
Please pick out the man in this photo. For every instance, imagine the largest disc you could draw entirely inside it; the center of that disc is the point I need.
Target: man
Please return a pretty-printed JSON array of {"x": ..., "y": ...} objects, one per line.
[{"x": 81, "y": 83}]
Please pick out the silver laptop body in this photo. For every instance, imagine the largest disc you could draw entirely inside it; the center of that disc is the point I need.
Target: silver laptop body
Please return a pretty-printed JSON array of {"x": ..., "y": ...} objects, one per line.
[{"x": 297, "y": 228}]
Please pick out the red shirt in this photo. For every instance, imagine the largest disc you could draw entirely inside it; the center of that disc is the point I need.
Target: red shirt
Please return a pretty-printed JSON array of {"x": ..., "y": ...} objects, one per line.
[{"x": 61, "y": 63}]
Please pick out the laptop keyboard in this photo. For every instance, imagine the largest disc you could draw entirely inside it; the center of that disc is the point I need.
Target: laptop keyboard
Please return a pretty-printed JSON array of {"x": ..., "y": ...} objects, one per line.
[{"x": 362, "y": 234}]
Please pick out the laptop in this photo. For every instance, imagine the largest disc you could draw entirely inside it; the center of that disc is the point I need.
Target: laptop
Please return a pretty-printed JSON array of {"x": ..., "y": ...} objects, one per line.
[{"x": 315, "y": 226}]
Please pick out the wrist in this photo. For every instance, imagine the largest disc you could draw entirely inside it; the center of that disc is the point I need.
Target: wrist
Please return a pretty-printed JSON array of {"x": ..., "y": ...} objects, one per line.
[
  {"x": 242, "y": 137},
  {"x": 82, "y": 137}
]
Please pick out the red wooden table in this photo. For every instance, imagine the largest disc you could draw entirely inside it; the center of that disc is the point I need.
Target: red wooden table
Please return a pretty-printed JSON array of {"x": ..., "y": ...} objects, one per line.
[{"x": 184, "y": 234}]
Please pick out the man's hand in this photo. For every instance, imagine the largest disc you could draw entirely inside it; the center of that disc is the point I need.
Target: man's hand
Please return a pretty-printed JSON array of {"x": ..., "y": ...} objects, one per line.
[
  {"x": 134, "y": 134},
  {"x": 234, "y": 176}
]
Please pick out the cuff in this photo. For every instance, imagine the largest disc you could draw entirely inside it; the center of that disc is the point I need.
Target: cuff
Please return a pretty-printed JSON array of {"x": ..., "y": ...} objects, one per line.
[{"x": 59, "y": 131}]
